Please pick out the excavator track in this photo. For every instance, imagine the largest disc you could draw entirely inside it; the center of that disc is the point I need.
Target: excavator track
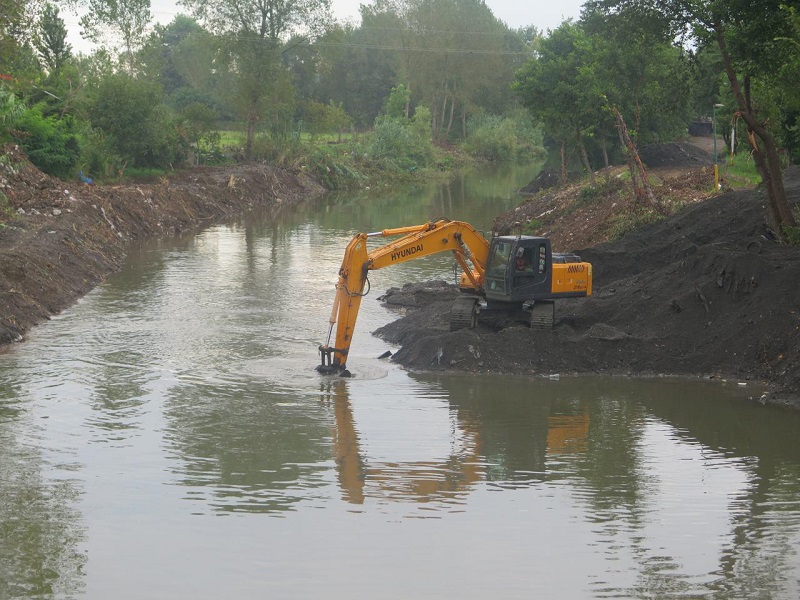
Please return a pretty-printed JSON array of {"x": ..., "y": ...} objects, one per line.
[
  {"x": 463, "y": 314},
  {"x": 542, "y": 314}
]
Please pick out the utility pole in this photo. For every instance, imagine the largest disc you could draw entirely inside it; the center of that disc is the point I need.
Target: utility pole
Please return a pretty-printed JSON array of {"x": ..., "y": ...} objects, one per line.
[{"x": 714, "y": 128}]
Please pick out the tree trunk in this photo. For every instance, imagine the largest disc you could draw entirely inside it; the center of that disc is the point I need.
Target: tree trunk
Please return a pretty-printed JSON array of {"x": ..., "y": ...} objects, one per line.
[
  {"x": 584, "y": 155},
  {"x": 434, "y": 117},
  {"x": 604, "y": 148},
  {"x": 635, "y": 165},
  {"x": 767, "y": 160},
  {"x": 444, "y": 109},
  {"x": 631, "y": 166},
  {"x": 563, "y": 162},
  {"x": 252, "y": 118},
  {"x": 450, "y": 122},
  {"x": 464, "y": 122}
]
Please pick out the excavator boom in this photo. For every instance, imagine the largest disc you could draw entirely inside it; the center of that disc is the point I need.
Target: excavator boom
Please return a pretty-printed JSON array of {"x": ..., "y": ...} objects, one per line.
[{"x": 469, "y": 247}]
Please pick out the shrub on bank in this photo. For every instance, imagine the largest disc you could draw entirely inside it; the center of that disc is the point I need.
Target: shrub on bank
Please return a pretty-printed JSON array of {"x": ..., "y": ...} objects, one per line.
[
  {"x": 50, "y": 143},
  {"x": 402, "y": 143},
  {"x": 504, "y": 138}
]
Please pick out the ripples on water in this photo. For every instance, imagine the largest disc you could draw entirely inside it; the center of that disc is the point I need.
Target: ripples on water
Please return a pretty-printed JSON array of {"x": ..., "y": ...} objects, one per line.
[{"x": 183, "y": 391}]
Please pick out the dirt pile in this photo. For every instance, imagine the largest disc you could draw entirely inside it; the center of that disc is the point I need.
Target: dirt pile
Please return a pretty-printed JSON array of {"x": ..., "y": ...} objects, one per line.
[
  {"x": 674, "y": 155},
  {"x": 58, "y": 240},
  {"x": 578, "y": 215},
  {"x": 706, "y": 292}
]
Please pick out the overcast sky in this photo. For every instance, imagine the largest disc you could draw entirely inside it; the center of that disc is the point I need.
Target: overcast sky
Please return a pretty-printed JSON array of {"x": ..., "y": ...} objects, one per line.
[{"x": 544, "y": 14}]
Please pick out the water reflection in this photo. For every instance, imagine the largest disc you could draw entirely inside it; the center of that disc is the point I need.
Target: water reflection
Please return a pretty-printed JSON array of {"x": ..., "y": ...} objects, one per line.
[
  {"x": 476, "y": 196},
  {"x": 40, "y": 531},
  {"x": 448, "y": 480},
  {"x": 245, "y": 449}
]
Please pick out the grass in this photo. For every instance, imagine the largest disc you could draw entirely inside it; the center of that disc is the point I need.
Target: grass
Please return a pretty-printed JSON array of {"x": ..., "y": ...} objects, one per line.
[
  {"x": 231, "y": 138},
  {"x": 628, "y": 221},
  {"x": 741, "y": 174},
  {"x": 144, "y": 173},
  {"x": 235, "y": 138},
  {"x": 6, "y": 210}
]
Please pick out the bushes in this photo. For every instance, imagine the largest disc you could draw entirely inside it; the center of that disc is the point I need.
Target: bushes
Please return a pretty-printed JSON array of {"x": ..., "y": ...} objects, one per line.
[
  {"x": 51, "y": 143},
  {"x": 135, "y": 123},
  {"x": 11, "y": 109},
  {"x": 402, "y": 143},
  {"x": 503, "y": 138}
]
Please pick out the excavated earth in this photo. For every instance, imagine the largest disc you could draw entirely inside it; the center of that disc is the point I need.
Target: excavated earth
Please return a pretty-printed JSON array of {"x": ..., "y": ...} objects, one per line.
[{"x": 707, "y": 292}]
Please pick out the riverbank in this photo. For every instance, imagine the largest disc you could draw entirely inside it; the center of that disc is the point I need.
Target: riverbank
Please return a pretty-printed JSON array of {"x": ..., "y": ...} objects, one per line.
[{"x": 60, "y": 239}]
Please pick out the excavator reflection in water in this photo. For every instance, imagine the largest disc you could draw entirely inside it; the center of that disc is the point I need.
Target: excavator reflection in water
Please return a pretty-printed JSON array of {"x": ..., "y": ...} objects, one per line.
[{"x": 477, "y": 456}]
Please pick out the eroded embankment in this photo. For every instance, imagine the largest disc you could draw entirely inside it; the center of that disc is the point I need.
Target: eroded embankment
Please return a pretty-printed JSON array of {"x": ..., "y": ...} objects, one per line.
[{"x": 58, "y": 240}]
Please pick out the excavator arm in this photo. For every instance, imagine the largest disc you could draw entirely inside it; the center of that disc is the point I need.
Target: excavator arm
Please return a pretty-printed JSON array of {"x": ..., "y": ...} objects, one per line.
[{"x": 470, "y": 248}]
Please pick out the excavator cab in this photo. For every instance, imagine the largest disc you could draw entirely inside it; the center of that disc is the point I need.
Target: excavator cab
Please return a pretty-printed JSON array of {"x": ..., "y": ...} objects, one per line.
[
  {"x": 523, "y": 279},
  {"x": 519, "y": 269}
]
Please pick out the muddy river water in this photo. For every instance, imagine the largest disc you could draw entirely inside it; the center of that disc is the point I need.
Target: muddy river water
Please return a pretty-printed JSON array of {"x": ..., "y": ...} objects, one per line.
[{"x": 167, "y": 437}]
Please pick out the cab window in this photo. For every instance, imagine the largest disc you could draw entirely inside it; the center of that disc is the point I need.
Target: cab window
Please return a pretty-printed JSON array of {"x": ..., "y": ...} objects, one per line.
[{"x": 499, "y": 259}]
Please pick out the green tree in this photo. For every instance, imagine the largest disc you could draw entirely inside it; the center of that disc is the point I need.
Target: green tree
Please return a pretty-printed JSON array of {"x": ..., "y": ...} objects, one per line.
[
  {"x": 12, "y": 13},
  {"x": 755, "y": 41},
  {"x": 130, "y": 114},
  {"x": 257, "y": 31},
  {"x": 11, "y": 109},
  {"x": 557, "y": 88},
  {"x": 453, "y": 50},
  {"x": 355, "y": 66},
  {"x": 127, "y": 20},
  {"x": 160, "y": 57},
  {"x": 50, "y": 39},
  {"x": 50, "y": 143},
  {"x": 397, "y": 103},
  {"x": 325, "y": 118},
  {"x": 19, "y": 64}
]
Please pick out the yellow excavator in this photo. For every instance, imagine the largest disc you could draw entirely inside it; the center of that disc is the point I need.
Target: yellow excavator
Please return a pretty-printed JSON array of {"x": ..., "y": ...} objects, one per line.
[{"x": 515, "y": 277}]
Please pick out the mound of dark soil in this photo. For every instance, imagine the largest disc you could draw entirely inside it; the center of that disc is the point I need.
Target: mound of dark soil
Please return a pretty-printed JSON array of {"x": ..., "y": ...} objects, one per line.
[
  {"x": 703, "y": 293},
  {"x": 545, "y": 180},
  {"x": 674, "y": 155},
  {"x": 58, "y": 240}
]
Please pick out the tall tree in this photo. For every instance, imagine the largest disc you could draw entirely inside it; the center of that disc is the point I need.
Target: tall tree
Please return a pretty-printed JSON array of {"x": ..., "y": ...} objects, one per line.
[
  {"x": 257, "y": 31},
  {"x": 755, "y": 41},
  {"x": 18, "y": 60},
  {"x": 50, "y": 39},
  {"x": 458, "y": 47},
  {"x": 184, "y": 58},
  {"x": 12, "y": 14},
  {"x": 557, "y": 87},
  {"x": 125, "y": 20}
]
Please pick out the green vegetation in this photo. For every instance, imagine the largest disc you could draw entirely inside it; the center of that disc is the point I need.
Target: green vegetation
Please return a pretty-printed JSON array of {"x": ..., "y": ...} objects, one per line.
[
  {"x": 5, "y": 205},
  {"x": 531, "y": 227},
  {"x": 51, "y": 143},
  {"x": 793, "y": 236},
  {"x": 504, "y": 138},
  {"x": 629, "y": 221},
  {"x": 742, "y": 173},
  {"x": 418, "y": 86}
]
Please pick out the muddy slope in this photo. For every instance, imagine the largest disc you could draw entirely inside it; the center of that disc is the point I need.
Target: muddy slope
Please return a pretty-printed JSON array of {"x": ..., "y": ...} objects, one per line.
[
  {"x": 58, "y": 240},
  {"x": 703, "y": 293}
]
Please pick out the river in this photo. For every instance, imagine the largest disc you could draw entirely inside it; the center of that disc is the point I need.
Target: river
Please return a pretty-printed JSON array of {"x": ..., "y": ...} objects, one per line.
[{"x": 168, "y": 437}]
